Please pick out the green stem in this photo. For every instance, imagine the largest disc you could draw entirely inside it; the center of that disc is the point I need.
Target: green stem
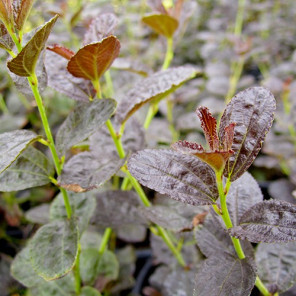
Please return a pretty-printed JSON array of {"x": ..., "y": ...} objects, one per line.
[
  {"x": 239, "y": 18},
  {"x": 169, "y": 54},
  {"x": 261, "y": 287},
  {"x": 171, "y": 246},
  {"x": 77, "y": 272},
  {"x": 33, "y": 81},
  {"x": 97, "y": 87},
  {"x": 105, "y": 240},
  {"x": 153, "y": 108},
  {"x": 109, "y": 83},
  {"x": 3, "y": 106},
  {"x": 14, "y": 37},
  {"x": 226, "y": 217}
]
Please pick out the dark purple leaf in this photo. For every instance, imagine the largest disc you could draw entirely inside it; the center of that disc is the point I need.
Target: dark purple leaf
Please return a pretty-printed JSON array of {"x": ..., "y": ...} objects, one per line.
[
  {"x": 213, "y": 240},
  {"x": 83, "y": 121},
  {"x": 85, "y": 171},
  {"x": 182, "y": 177},
  {"x": 101, "y": 27},
  {"x": 225, "y": 276},
  {"x": 252, "y": 110},
  {"x": 153, "y": 88},
  {"x": 277, "y": 266},
  {"x": 243, "y": 194},
  {"x": 62, "y": 81},
  {"x": 269, "y": 221}
]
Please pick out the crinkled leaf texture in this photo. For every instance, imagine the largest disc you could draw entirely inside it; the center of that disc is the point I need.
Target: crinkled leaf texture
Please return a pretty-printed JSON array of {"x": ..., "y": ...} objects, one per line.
[
  {"x": 54, "y": 249},
  {"x": 101, "y": 27},
  {"x": 252, "y": 111},
  {"x": 21, "y": 10},
  {"x": 163, "y": 24},
  {"x": 86, "y": 171},
  {"x": 62, "y": 81},
  {"x": 153, "y": 88},
  {"x": 12, "y": 144},
  {"x": 268, "y": 221},
  {"x": 25, "y": 62},
  {"x": 277, "y": 265},
  {"x": 83, "y": 121},
  {"x": 32, "y": 168},
  {"x": 83, "y": 206},
  {"x": 243, "y": 194},
  {"x": 182, "y": 177},
  {"x": 225, "y": 275},
  {"x": 92, "y": 60}
]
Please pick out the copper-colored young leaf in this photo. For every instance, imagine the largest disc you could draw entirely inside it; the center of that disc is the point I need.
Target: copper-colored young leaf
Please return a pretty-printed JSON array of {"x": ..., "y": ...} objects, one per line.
[
  {"x": 225, "y": 275},
  {"x": 6, "y": 41},
  {"x": 25, "y": 62},
  {"x": 182, "y": 177},
  {"x": 277, "y": 266},
  {"x": 269, "y": 221},
  {"x": 243, "y": 194},
  {"x": 12, "y": 144},
  {"x": 162, "y": 24},
  {"x": 83, "y": 121},
  {"x": 62, "y": 51},
  {"x": 252, "y": 111},
  {"x": 21, "y": 10},
  {"x": 101, "y": 27},
  {"x": 215, "y": 159},
  {"x": 85, "y": 171},
  {"x": 209, "y": 126},
  {"x": 6, "y": 12},
  {"x": 62, "y": 81},
  {"x": 153, "y": 88},
  {"x": 92, "y": 60}
]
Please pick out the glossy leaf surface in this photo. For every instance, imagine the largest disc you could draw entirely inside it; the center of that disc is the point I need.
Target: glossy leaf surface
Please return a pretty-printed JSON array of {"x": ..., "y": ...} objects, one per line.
[
  {"x": 91, "y": 61},
  {"x": 83, "y": 206},
  {"x": 162, "y": 24},
  {"x": 24, "y": 63},
  {"x": 53, "y": 249},
  {"x": 21, "y": 10},
  {"x": 22, "y": 270},
  {"x": 62, "y": 81},
  {"x": 155, "y": 87},
  {"x": 277, "y": 265},
  {"x": 252, "y": 111},
  {"x": 225, "y": 276},
  {"x": 12, "y": 144},
  {"x": 85, "y": 171},
  {"x": 83, "y": 121},
  {"x": 269, "y": 221},
  {"x": 32, "y": 168},
  {"x": 101, "y": 27},
  {"x": 243, "y": 194},
  {"x": 182, "y": 177}
]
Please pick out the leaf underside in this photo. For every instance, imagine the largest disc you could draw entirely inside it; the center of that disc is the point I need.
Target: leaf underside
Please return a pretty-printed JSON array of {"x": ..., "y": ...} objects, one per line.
[
  {"x": 153, "y": 88},
  {"x": 252, "y": 111},
  {"x": 85, "y": 171},
  {"x": 24, "y": 63},
  {"x": 83, "y": 121},
  {"x": 12, "y": 144},
  {"x": 54, "y": 248},
  {"x": 91, "y": 61},
  {"x": 182, "y": 177},
  {"x": 21, "y": 11},
  {"x": 268, "y": 221}
]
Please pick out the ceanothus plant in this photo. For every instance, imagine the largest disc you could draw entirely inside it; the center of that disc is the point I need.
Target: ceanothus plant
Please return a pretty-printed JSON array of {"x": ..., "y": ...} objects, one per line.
[{"x": 218, "y": 177}]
